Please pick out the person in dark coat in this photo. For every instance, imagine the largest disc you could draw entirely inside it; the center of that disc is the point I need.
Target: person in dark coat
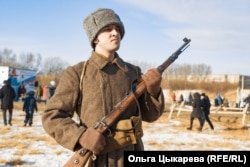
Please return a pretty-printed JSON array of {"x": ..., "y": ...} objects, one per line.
[
  {"x": 197, "y": 112},
  {"x": 247, "y": 101},
  {"x": 190, "y": 99},
  {"x": 22, "y": 92},
  {"x": 206, "y": 108},
  {"x": 219, "y": 99},
  {"x": 29, "y": 106},
  {"x": 7, "y": 94},
  {"x": 181, "y": 99},
  {"x": 51, "y": 89}
]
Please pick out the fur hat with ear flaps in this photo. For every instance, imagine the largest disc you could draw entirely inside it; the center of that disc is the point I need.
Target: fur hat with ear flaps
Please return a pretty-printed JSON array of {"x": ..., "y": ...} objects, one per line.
[{"x": 98, "y": 20}]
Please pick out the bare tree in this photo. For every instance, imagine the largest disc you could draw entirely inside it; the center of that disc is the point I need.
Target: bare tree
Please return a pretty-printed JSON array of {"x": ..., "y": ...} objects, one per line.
[
  {"x": 54, "y": 66},
  {"x": 200, "y": 72},
  {"x": 181, "y": 75},
  {"x": 7, "y": 57},
  {"x": 30, "y": 61},
  {"x": 201, "y": 69},
  {"x": 186, "y": 69}
]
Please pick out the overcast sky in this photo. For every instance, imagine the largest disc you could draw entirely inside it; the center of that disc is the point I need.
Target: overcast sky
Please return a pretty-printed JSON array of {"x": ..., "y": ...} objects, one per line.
[{"x": 219, "y": 30}]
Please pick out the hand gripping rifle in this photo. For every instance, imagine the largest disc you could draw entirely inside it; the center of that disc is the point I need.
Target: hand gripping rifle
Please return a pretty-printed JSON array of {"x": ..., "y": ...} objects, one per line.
[{"x": 80, "y": 157}]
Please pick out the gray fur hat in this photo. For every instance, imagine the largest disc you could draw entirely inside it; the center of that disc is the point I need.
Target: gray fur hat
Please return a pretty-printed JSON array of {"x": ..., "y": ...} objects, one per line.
[{"x": 98, "y": 20}]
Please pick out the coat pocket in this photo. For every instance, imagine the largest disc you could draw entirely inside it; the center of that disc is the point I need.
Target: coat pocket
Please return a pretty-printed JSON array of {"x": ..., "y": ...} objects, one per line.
[{"x": 125, "y": 133}]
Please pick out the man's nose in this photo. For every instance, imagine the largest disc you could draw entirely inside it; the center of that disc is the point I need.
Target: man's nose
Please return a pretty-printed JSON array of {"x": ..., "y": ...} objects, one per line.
[{"x": 114, "y": 32}]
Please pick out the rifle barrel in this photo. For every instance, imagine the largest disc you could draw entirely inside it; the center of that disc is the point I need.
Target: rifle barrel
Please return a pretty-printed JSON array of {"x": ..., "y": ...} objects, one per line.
[{"x": 174, "y": 56}]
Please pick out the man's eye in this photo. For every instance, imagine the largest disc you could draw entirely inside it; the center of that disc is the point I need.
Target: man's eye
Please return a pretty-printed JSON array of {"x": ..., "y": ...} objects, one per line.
[
  {"x": 118, "y": 29},
  {"x": 107, "y": 29}
]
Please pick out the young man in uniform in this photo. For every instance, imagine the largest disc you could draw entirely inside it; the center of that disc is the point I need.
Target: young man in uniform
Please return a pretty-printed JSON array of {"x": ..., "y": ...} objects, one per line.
[{"x": 99, "y": 84}]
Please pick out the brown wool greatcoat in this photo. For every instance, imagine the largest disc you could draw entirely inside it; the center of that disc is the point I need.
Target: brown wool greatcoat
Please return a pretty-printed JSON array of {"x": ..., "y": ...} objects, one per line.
[{"x": 104, "y": 85}]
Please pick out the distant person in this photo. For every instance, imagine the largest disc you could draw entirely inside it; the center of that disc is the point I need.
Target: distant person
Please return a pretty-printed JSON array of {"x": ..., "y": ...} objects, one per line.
[
  {"x": 29, "y": 106},
  {"x": 242, "y": 104},
  {"x": 51, "y": 88},
  {"x": 23, "y": 92},
  {"x": 7, "y": 94},
  {"x": 190, "y": 99},
  {"x": 206, "y": 108},
  {"x": 197, "y": 112},
  {"x": 173, "y": 97},
  {"x": 225, "y": 102},
  {"x": 247, "y": 101},
  {"x": 181, "y": 99},
  {"x": 219, "y": 99},
  {"x": 39, "y": 94},
  {"x": 216, "y": 103}
]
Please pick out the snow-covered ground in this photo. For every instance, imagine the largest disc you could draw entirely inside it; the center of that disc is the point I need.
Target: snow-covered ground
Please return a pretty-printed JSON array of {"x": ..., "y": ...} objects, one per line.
[{"x": 32, "y": 147}]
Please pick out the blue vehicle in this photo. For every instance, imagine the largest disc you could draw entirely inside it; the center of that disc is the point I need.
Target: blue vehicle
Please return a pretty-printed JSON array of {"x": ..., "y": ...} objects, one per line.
[{"x": 18, "y": 77}]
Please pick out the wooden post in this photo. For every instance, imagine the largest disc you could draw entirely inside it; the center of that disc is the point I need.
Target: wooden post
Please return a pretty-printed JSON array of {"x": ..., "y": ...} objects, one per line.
[
  {"x": 172, "y": 107},
  {"x": 244, "y": 112}
]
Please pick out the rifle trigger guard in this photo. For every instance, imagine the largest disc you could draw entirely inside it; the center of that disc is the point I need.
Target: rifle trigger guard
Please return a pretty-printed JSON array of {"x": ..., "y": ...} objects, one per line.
[{"x": 108, "y": 132}]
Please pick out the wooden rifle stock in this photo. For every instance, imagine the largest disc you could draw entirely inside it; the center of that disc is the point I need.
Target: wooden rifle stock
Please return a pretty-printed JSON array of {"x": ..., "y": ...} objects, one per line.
[{"x": 80, "y": 157}]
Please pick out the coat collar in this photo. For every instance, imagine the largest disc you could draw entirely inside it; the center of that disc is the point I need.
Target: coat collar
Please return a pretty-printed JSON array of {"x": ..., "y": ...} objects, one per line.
[{"x": 100, "y": 61}]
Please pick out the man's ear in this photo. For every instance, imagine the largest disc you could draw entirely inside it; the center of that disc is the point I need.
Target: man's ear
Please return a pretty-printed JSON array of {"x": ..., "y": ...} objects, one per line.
[{"x": 95, "y": 41}]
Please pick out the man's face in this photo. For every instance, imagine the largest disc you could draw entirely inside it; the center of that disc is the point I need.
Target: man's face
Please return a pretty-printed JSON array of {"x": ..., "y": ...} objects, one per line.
[{"x": 109, "y": 38}]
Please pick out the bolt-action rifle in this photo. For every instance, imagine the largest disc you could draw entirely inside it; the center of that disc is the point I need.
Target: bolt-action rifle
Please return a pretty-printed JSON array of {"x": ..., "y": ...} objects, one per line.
[{"x": 80, "y": 157}]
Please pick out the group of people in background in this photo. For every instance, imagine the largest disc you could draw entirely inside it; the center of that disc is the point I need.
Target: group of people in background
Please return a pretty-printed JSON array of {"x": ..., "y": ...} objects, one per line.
[
  {"x": 8, "y": 95},
  {"x": 181, "y": 99},
  {"x": 201, "y": 110},
  {"x": 201, "y": 105},
  {"x": 29, "y": 99},
  {"x": 175, "y": 100},
  {"x": 221, "y": 101},
  {"x": 39, "y": 92}
]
